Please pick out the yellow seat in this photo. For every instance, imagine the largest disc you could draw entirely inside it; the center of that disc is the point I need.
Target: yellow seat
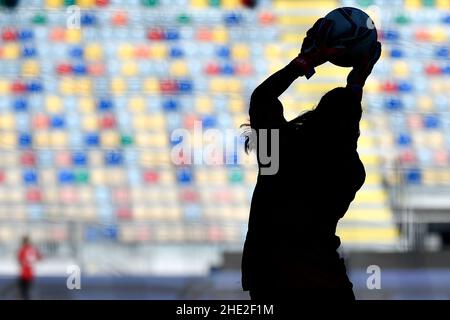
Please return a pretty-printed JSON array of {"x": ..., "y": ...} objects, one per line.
[
  {"x": 237, "y": 105},
  {"x": 143, "y": 139},
  {"x": 413, "y": 4},
  {"x": 218, "y": 85},
  {"x": 67, "y": 86},
  {"x": 129, "y": 68},
  {"x": 8, "y": 140},
  {"x": 438, "y": 34},
  {"x": 435, "y": 140},
  {"x": 11, "y": 51},
  {"x": 87, "y": 105},
  {"x": 297, "y": 20},
  {"x": 400, "y": 68},
  {"x": 311, "y": 87},
  {"x": 179, "y": 69},
  {"x": 30, "y": 68},
  {"x": 126, "y": 51},
  {"x": 93, "y": 51},
  {"x": 167, "y": 177},
  {"x": 158, "y": 51},
  {"x": 118, "y": 85},
  {"x": 374, "y": 235},
  {"x": 54, "y": 3},
  {"x": 220, "y": 35},
  {"x": 425, "y": 103},
  {"x": 98, "y": 177},
  {"x": 86, "y": 3},
  {"x": 430, "y": 177},
  {"x": 151, "y": 85},
  {"x": 203, "y": 105},
  {"x": 58, "y": 139},
  {"x": 7, "y": 121},
  {"x": 156, "y": 122},
  {"x": 230, "y": 4},
  {"x": 158, "y": 140},
  {"x": 292, "y": 37},
  {"x": 369, "y": 159},
  {"x": 234, "y": 85},
  {"x": 53, "y": 104},
  {"x": 371, "y": 196},
  {"x": 41, "y": 139},
  {"x": 137, "y": 104},
  {"x": 240, "y": 51},
  {"x": 83, "y": 86},
  {"x": 273, "y": 51},
  {"x": 90, "y": 122},
  {"x": 73, "y": 35},
  {"x": 4, "y": 87},
  {"x": 443, "y": 4},
  {"x": 109, "y": 139},
  {"x": 330, "y": 70},
  {"x": 199, "y": 3}
]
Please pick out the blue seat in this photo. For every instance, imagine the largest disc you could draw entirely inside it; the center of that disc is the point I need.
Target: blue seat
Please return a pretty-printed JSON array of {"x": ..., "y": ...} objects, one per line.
[
  {"x": 92, "y": 139},
  {"x": 184, "y": 86},
  {"x": 29, "y": 51},
  {"x": 65, "y": 177},
  {"x": 176, "y": 52},
  {"x": 394, "y": 104},
  {"x": 184, "y": 175},
  {"x": 396, "y": 53},
  {"x": 223, "y": 52},
  {"x": 88, "y": 19},
  {"x": 442, "y": 52},
  {"x": 227, "y": 69},
  {"x": 25, "y": 140},
  {"x": 30, "y": 177},
  {"x": 20, "y": 104},
  {"x": 79, "y": 69},
  {"x": 79, "y": 158},
  {"x": 57, "y": 122},
  {"x": 390, "y": 35},
  {"x": 25, "y": 35},
  {"x": 110, "y": 232},
  {"x": 172, "y": 34},
  {"x": 209, "y": 122},
  {"x": 35, "y": 86},
  {"x": 413, "y": 176},
  {"x": 431, "y": 121},
  {"x": 105, "y": 104},
  {"x": 404, "y": 86},
  {"x": 233, "y": 18},
  {"x": 404, "y": 139},
  {"x": 170, "y": 105},
  {"x": 446, "y": 69},
  {"x": 76, "y": 52},
  {"x": 113, "y": 158}
]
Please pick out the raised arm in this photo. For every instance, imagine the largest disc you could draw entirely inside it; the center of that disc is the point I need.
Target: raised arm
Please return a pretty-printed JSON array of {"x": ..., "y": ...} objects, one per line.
[
  {"x": 359, "y": 74},
  {"x": 266, "y": 111}
]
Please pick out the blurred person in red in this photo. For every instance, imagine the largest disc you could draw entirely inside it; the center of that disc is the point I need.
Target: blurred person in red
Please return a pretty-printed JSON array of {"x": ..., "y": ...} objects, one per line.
[{"x": 26, "y": 256}]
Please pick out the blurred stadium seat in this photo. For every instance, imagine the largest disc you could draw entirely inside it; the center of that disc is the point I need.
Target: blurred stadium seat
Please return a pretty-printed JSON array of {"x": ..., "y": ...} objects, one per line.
[{"x": 86, "y": 114}]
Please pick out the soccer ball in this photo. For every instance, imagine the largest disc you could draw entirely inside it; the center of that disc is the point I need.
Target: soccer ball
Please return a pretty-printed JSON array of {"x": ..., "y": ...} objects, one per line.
[{"x": 353, "y": 29}]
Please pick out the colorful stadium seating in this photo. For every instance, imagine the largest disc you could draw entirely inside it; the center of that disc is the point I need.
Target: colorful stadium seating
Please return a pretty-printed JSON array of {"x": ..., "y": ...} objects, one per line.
[{"x": 86, "y": 114}]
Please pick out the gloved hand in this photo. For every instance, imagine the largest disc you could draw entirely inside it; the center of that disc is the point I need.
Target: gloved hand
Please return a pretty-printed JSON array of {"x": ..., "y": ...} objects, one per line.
[
  {"x": 362, "y": 70},
  {"x": 315, "y": 50}
]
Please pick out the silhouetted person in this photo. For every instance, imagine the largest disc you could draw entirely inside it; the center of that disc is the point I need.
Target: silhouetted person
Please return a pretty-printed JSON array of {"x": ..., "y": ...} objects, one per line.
[
  {"x": 26, "y": 256},
  {"x": 290, "y": 250}
]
